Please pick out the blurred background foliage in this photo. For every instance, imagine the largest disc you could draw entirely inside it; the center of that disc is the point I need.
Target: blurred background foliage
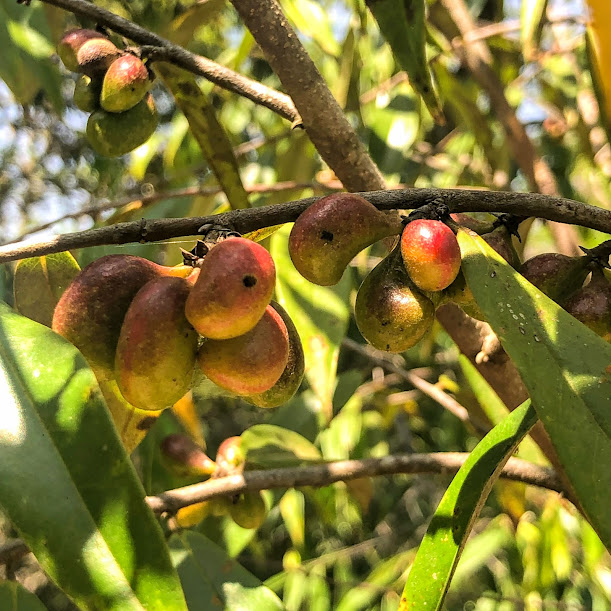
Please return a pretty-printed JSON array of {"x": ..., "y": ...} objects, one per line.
[{"x": 347, "y": 546}]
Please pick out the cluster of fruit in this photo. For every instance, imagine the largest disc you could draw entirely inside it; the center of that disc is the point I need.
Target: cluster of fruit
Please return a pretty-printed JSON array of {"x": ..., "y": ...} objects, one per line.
[
  {"x": 187, "y": 459},
  {"x": 114, "y": 87},
  {"x": 396, "y": 303},
  {"x": 146, "y": 326}
]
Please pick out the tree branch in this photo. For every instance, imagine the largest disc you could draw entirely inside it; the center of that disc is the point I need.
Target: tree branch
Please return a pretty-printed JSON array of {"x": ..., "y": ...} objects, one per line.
[
  {"x": 157, "y": 47},
  {"x": 457, "y": 200},
  {"x": 326, "y": 474}
]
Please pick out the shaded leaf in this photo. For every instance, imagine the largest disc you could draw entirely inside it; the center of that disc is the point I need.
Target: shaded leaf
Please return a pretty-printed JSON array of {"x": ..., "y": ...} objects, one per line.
[
  {"x": 565, "y": 367},
  {"x": 14, "y": 597},
  {"x": 93, "y": 534},
  {"x": 449, "y": 529}
]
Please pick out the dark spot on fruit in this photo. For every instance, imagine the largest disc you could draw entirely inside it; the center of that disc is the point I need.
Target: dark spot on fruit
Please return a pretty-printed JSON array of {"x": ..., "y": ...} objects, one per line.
[
  {"x": 249, "y": 281},
  {"x": 385, "y": 322},
  {"x": 146, "y": 423},
  {"x": 327, "y": 236}
]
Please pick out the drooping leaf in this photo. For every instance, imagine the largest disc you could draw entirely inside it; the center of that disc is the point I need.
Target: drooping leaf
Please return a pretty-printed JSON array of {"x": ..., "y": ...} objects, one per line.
[
  {"x": 267, "y": 446},
  {"x": 209, "y": 133},
  {"x": 320, "y": 314},
  {"x": 14, "y": 597},
  {"x": 39, "y": 283},
  {"x": 565, "y": 367},
  {"x": 213, "y": 580},
  {"x": 449, "y": 529},
  {"x": 66, "y": 482}
]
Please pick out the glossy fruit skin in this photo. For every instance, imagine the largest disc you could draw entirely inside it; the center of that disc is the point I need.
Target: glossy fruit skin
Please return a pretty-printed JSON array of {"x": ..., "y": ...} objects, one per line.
[
  {"x": 95, "y": 56},
  {"x": 91, "y": 310},
  {"x": 229, "y": 456},
  {"x": 430, "y": 254},
  {"x": 251, "y": 363},
  {"x": 390, "y": 311},
  {"x": 556, "y": 275},
  {"x": 157, "y": 346},
  {"x": 249, "y": 510},
  {"x": 332, "y": 231},
  {"x": 459, "y": 293},
  {"x": 70, "y": 44},
  {"x": 87, "y": 93},
  {"x": 234, "y": 287},
  {"x": 125, "y": 83},
  {"x": 290, "y": 380},
  {"x": 592, "y": 305},
  {"x": 185, "y": 458}
]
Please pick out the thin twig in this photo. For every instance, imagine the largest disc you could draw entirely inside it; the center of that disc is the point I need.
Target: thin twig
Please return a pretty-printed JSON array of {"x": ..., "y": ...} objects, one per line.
[
  {"x": 457, "y": 200},
  {"x": 345, "y": 470},
  {"x": 160, "y": 48}
]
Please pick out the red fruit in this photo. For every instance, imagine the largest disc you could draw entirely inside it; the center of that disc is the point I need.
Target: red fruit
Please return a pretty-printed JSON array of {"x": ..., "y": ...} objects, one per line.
[
  {"x": 235, "y": 285},
  {"x": 185, "y": 457},
  {"x": 229, "y": 456},
  {"x": 431, "y": 254},
  {"x": 126, "y": 82},
  {"x": 70, "y": 44}
]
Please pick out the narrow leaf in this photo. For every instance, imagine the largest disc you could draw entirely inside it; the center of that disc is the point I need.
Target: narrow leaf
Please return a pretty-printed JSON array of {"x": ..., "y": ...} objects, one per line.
[
  {"x": 565, "y": 367},
  {"x": 209, "y": 133},
  {"x": 460, "y": 506},
  {"x": 213, "y": 580},
  {"x": 531, "y": 22},
  {"x": 66, "y": 482},
  {"x": 14, "y": 597}
]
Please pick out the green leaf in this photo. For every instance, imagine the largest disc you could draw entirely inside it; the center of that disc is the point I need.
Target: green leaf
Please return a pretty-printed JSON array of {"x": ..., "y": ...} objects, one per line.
[
  {"x": 321, "y": 315},
  {"x": 532, "y": 14},
  {"x": 213, "y": 580},
  {"x": 14, "y": 597},
  {"x": 209, "y": 133},
  {"x": 267, "y": 446},
  {"x": 565, "y": 367},
  {"x": 66, "y": 482},
  {"x": 39, "y": 283},
  {"x": 449, "y": 529}
]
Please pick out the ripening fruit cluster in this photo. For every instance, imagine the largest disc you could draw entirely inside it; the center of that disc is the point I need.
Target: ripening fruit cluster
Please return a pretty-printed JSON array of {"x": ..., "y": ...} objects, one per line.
[
  {"x": 114, "y": 87},
  {"x": 147, "y": 326},
  {"x": 187, "y": 459}
]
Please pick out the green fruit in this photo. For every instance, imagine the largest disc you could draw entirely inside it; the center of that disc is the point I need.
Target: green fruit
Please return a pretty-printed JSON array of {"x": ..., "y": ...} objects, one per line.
[
  {"x": 332, "y": 231},
  {"x": 291, "y": 377},
  {"x": 233, "y": 289},
  {"x": 125, "y": 83},
  {"x": 185, "y": 458},
  {"x": 459, "y": 293},
  {"x": 91, "y": 310},
  {"x": 157, "y": 346},
  {"x": 390, "y": 311},
  {"x": 249, "y": 510},
  {"x": 115, "y": 134},
  {"x": 95, "y": 56},
  {"x": 70, "y": 44},
  {"x": 251, "y": 363},
  {"x": 87, "y": 93}
]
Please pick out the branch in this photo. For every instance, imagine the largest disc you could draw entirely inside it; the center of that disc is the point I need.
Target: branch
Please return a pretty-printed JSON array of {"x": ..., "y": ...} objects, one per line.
[
  {"x": 457, "y": 200},
  {"x": 160, "y": 48},
  {"x": 345, "y": 470}
]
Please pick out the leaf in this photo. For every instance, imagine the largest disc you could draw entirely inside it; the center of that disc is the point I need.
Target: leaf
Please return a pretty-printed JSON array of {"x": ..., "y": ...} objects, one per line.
[
  {"x": 14, "y": 597},
  {"x": 39, "y": 283},
  {"x": 268, "y": 445},
  {"x": 531, "y": 22},
  {"x": 209, "y": 133},
  {"x": 440, "y": 550},
  {"x": 321, "y": 315},
  {"x": 212, "y": 580},
  {"x": 565, "y": 367},
  {"x": 66, "y": 482}
]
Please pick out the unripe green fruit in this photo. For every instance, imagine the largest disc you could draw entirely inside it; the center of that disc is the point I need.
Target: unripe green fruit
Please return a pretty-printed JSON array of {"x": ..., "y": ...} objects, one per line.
[
  {"x": 70, "y": 44},
  {"x": 234, "y": 287},
  {"x": 556, "y": 275},
  {"x": 390, "y": 311},
  {"x": 91, "y": 310},
  {"x": 229, "y": 456},
  {"x": 332, "y": 231},
  {"x": 459, "y": 293},
  {"x": 249, "y": 510},
  {"x": 291, "y": 377},
  {"x": 125, "y": 83},
  {"x": 185, "y": 458},
  {"x": 251, "y": 363},
  {"x": 87, "y": 93},
  {"x": 592, "y": 305},
  {"x": 157, "y": 347},
  {"x": 115, "y": 134},
  {"x": 95, "y": 56}
]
